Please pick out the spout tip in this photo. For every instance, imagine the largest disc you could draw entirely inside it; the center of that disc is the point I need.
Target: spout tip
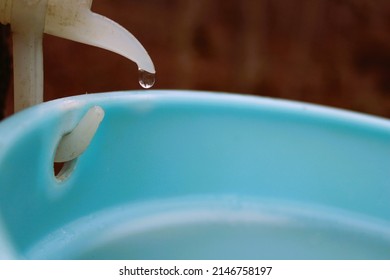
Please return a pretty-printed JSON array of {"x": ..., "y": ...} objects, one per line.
[{"x": 146, "y": 64}]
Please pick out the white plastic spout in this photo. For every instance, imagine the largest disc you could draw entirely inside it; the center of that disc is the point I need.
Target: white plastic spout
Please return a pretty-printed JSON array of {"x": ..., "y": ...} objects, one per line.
[
  {"x": 70, "y": 19},
  {"x": 74, "y": 20}
]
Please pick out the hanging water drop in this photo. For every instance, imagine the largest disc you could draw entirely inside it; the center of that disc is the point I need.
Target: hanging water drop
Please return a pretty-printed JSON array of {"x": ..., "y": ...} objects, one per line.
[{"x": 145, "y": 78}]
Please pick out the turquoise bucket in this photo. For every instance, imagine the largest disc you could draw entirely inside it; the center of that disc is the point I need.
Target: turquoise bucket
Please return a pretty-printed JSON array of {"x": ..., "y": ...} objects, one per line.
[{"x": 196, "y": 175}]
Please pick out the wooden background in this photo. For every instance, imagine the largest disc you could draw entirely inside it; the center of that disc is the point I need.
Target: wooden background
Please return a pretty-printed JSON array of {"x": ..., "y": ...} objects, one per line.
[{"x": 329, "y": 52}]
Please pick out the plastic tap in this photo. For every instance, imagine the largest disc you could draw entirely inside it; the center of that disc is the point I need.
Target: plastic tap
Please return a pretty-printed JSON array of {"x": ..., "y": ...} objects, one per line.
[{"x": 70, "y": 19}]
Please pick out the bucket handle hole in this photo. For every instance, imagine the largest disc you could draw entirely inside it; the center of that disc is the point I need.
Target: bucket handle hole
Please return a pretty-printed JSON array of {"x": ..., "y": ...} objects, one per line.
[{"x": 63, "y": 170}]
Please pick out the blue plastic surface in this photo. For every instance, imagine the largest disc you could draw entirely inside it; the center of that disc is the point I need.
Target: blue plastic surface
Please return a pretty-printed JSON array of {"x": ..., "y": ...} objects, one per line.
[{"x": 195, "y": 175}]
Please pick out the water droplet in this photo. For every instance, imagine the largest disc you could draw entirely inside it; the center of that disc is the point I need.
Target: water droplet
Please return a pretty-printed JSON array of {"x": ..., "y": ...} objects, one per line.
[{"x": 145, "y": 78}]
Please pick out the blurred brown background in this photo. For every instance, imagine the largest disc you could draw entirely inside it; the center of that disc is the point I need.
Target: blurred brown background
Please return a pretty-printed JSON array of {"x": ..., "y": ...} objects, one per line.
[{"x": 330, "y": 52}]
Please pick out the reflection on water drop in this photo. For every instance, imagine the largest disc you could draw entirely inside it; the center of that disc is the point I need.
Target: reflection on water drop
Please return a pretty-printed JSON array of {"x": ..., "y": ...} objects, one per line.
[{"x": 145, "y": 78}]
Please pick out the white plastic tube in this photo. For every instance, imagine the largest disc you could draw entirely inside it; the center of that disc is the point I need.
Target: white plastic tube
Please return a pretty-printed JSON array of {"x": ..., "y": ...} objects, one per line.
[{"x": 28, "y": 22}]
